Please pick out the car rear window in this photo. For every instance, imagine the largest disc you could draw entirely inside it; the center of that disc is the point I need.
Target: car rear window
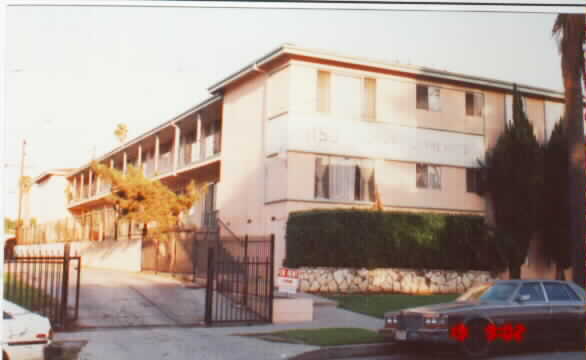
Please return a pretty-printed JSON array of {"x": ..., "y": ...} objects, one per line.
[{"x": 560, "y": 292}]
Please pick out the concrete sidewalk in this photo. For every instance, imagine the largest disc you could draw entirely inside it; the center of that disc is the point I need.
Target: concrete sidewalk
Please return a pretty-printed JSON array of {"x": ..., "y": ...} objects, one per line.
[
  {"x": 207, "y": 343},
  {"x": 131, "y": 316}
]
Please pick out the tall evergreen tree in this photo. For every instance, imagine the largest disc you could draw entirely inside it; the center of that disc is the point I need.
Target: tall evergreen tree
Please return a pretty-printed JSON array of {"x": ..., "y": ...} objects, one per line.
[
  {"x": 555, "y": 237},
  {"x": 513, "y": 178},
  {"x": 569, "y": 31}
]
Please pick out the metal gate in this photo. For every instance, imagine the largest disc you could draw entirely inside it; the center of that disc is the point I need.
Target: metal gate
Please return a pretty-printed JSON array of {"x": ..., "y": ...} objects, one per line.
[
  {"x": 184, "y": 253},
  {"x": 240, "y": 278},
  {"x": 45, "y": 283}
]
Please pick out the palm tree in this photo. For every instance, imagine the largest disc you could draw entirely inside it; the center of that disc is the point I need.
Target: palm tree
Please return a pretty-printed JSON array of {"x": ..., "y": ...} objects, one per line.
[
  {"x": 121, "y": 132},
  {"x": 569, "y": 31}
]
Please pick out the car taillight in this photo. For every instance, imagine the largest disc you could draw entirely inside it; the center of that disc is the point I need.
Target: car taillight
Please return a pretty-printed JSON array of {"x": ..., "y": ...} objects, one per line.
[{"x": 48, "y": 336}]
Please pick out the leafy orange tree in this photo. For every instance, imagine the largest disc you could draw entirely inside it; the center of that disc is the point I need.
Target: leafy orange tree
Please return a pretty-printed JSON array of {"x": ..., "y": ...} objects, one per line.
[{"x": 137, "y": 199}]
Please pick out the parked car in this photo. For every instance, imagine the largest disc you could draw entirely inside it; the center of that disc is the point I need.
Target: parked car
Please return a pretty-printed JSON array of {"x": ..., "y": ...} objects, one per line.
[
  {"x": 499, "y": 312},
  {"x": 25, "y": 335}
]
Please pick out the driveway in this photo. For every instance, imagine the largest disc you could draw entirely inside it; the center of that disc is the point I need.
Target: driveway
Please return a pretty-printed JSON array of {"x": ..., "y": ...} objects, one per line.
[{"x": 115, "y": 299}]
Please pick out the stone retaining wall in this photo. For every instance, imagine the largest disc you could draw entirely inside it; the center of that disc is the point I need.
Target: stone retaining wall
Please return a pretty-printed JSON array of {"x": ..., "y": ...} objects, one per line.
[{"x": 406, "y": 281}]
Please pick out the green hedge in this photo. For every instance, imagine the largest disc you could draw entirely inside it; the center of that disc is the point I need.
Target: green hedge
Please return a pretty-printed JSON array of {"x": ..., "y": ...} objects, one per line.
[{"x": 365, "y": 238}]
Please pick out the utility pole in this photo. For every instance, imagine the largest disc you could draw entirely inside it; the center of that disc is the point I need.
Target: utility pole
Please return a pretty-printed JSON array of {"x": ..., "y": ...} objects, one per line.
[{"x": 20, "y": 192}]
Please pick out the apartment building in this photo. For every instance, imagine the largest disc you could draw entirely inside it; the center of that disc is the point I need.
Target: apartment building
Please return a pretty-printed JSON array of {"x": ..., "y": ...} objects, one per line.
[
  {"x": 301, "y": 129},
  {"x": 45, "y": 203}
]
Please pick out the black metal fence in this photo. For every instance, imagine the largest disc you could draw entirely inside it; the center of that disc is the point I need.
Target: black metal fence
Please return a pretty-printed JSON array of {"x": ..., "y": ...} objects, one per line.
[
  {"x": 240, "y": 281},
  {"x": 185, "y": 252},
  {"x": 45, "y": 282}
]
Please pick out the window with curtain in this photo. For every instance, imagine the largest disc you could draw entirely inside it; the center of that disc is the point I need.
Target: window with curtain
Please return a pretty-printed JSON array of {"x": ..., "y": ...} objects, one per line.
[
  {"x": 365, "y": 180},
  {"x": 428, "y": 98},
  {"x": 323, "y": 91},
  {"x": 509, "y": 108},
  {"x": 421, "y": 93},
  {"x": 474, "y": 104},
  {"x": 344, "y": 179},
  {"x": 434, "y": 98},
  {"x": 369, "y": 100},
  {"x": 428, "y": 177},
  {"x": 321, "y": 178}
]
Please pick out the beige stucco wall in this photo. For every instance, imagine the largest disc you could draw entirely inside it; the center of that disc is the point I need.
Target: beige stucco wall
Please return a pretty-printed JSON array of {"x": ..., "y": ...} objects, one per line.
[
  {"x": 395, "y": 99},
  {"x": 398, "y": 106},
  {"x": 303, "y": 95},
  {"x": 397, "y": 185},
  {"x": 241, "y": 191},
  {"x": 278, "y": 95}
]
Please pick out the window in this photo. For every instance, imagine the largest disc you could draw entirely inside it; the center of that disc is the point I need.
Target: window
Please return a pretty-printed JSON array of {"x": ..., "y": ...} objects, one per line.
[
  {"x": 428, "y": 98},
  {"x": 560, "y": 292},
  {"x": 473, "y": 181},
  {"x": 474, "y": 104},
  {"x": 428, "y": 177},
  {"x": 321, "y": 178},
  {"x": 323, "y": 91},
  {"x": 534, "y": 291},
  {"x": 344, "y": 179},
  {"x": 509, "y": 108},
  {"x": 369, "y": 100}
]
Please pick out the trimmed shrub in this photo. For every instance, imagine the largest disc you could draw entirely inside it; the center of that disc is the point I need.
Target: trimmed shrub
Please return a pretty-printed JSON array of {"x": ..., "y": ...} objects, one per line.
[{"x": 356, "y": 238}]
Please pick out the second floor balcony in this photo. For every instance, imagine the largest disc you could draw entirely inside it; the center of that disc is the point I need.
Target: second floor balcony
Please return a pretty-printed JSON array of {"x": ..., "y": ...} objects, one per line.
[{"x": 182, "y": 144}]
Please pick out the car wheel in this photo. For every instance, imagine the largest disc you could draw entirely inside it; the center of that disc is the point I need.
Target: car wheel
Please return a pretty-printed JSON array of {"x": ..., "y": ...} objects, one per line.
[{"x": 476, "y": 346}]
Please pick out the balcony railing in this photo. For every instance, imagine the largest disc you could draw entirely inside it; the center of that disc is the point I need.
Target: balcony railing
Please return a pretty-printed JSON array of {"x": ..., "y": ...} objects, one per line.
[
  {"x": 165, "y": 163},
  {"x": 190, "y": 153}
]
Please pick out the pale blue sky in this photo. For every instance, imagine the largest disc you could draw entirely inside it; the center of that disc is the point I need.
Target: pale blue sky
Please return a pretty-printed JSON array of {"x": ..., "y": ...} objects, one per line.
[{"x": 73, "y": 73}]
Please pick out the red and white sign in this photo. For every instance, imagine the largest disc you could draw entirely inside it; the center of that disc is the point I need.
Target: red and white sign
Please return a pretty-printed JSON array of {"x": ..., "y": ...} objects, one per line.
[{"x": 288, "y": 280}]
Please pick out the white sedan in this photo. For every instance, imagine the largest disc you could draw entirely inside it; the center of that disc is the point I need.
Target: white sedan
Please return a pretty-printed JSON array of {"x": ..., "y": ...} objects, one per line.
[{"x": 24, "y": 333}]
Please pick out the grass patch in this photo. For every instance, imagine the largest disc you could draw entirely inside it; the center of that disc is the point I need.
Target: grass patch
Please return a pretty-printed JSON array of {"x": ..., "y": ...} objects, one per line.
[
  {"x": 323, "y": 336},
  {"x": 30, "y": 298},
  {"x": 376, "y": 305}
]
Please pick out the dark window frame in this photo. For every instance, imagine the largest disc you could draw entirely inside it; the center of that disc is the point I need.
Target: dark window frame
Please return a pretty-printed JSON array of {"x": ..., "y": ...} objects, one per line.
[{"x": 422, "y": 97}]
